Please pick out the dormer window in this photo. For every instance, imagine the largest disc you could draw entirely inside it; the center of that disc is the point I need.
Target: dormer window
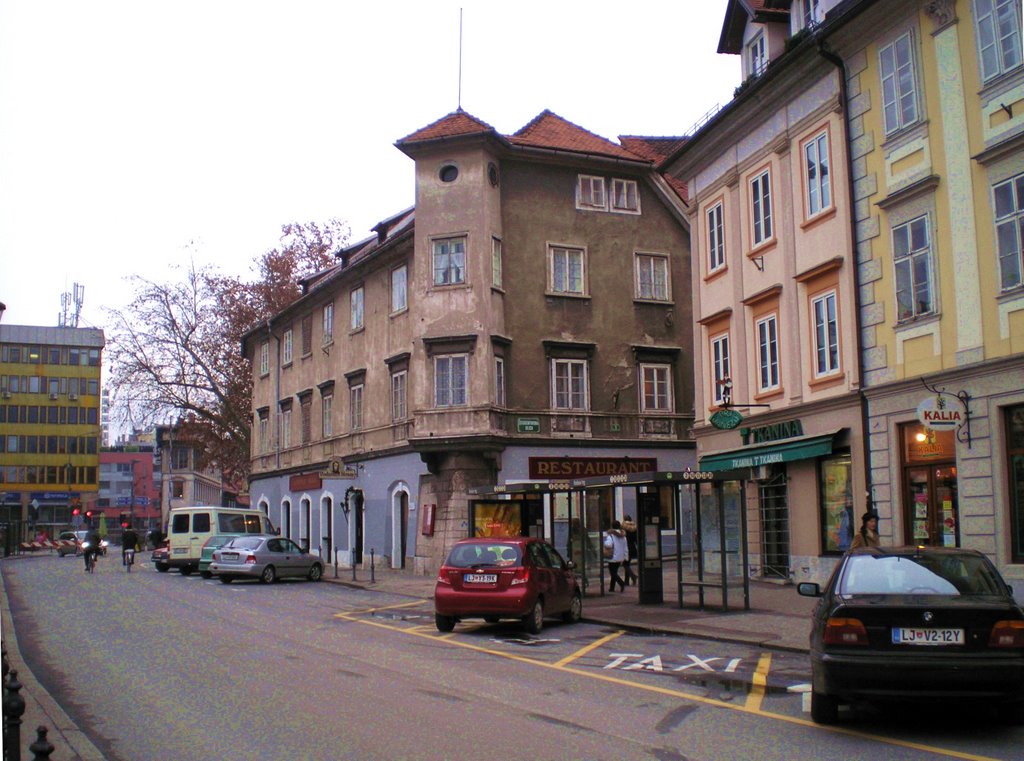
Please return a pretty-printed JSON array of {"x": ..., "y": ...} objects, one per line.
[
  {"x": 590, "y": 193},
  {"x": 757, "y": 55}
]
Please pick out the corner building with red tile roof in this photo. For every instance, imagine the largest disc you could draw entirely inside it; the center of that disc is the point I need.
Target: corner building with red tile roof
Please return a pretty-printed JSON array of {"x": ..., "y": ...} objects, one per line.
[{"x": 531, "y": 311}]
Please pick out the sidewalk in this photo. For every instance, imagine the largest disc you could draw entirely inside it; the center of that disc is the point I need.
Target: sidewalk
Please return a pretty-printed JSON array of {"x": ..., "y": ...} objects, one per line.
[{"x": 778, "y": 618}]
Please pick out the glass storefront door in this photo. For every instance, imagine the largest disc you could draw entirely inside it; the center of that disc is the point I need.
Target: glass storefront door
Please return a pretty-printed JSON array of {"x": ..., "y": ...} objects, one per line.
[{"x": 930, "y": 506}]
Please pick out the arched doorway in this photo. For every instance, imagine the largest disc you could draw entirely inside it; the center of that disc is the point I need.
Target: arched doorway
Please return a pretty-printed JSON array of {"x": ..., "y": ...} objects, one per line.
[
  {"x": 305, "y": 525},
  {"x": 286, "y": 518},
  {"x": 327, "y": 528},
  {"x": 399, "y": 527}
]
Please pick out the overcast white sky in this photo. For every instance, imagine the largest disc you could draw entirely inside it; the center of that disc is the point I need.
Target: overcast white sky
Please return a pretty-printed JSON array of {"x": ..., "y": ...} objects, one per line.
[{"x": 134, "y": 134}]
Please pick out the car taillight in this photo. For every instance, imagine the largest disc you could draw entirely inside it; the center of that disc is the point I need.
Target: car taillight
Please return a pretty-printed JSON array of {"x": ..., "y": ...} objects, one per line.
[
  {"x": 442, "y": 577},
  {"x": 845, "y": 631},
  {"x": 250, "y": 559},
  {"x": 1007, "y": 634},
  {"x": 522, "y": 576}
]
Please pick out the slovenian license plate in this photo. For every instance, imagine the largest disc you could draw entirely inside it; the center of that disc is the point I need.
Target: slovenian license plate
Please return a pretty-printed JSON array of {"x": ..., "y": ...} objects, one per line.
[
  {"x": 913, "y": 636},
  {"x": 480, "y": 578},
  {"x": 229, "y": 556}
]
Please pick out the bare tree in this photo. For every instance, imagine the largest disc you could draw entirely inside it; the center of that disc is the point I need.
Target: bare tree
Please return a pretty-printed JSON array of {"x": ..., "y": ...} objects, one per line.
[{"x": 175, "y": 350}]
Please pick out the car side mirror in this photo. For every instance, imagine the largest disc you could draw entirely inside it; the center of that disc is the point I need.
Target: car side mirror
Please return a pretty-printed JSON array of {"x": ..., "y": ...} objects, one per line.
[
  {"x": 808, "y": 589},
  {"x": 570, "y": 565}
]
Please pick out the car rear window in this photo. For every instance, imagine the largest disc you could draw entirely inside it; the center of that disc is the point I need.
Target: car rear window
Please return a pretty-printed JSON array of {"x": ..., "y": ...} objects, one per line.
[
  {"x": 948, "y": 574},
  {"x": 491, "y": 554},
  {"x": 245, "y": 542}
]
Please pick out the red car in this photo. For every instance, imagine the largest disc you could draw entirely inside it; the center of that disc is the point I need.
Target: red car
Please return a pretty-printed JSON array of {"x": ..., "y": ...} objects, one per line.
[{"x": 506, "y": 577}]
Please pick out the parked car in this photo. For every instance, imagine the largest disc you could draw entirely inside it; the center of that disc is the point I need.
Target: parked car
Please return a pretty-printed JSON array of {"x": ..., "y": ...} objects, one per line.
[
  {"x": 75, "y": 537},
  {"x": 506, "y": 577},
  {"x": 915, "y": 623},
  {"x": 215, "y": 542},
  {"x": 266, "y": 557},
  {"x": 161, "y": 558}
]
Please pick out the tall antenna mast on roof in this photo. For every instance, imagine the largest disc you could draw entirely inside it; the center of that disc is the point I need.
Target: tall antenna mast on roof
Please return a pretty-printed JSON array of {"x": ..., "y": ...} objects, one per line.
[{"x": 460, "y": 59}]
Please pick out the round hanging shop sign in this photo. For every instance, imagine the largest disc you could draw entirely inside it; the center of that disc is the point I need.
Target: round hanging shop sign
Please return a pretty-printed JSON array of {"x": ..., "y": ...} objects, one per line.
[
  {"x": 933, "y": 412},
  {"x": 726, "y": 419}
]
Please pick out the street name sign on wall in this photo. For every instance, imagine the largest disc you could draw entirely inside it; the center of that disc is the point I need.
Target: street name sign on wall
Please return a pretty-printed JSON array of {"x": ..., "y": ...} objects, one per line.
[{"x": 528, "y": 425}]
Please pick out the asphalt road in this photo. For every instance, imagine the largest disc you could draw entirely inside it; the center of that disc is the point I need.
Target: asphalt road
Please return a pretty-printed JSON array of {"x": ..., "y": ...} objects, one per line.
[{"x": 157, "y": 666}]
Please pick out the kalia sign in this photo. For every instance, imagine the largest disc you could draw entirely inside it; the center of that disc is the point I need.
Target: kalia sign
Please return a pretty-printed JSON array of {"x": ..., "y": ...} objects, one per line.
[{"x": 934, "y": 413}]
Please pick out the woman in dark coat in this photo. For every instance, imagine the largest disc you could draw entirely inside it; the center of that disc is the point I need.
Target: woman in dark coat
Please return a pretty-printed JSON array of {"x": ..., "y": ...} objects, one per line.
[{"x": 868, "y": 534}]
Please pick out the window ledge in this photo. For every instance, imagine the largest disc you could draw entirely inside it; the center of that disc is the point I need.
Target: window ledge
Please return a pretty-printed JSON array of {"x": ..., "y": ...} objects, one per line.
[
  {"x": 825, "y": 381},
  {"x": 818, "y": 218},
  {"x": 653, "y": 302},
  {"x": 913, "y": 322},
  {"x": 763, "y": 247},
  {"x": 560, "y": 295},
  {"x": 716, "y": 273}
]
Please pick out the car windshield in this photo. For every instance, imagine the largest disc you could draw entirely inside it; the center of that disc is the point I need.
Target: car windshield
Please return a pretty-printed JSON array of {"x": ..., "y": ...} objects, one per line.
[
  {"x": 947, "y": 574},
  {"x": 490, "y": 554},
  {"x": 244, "y": 543}
]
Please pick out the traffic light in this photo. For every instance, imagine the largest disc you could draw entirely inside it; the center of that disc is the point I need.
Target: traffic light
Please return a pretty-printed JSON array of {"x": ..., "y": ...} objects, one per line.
[
  {"x": 88, "y": 514},
  {"x": 76, "y": 511},
  {"x": 124, "y": 520}
]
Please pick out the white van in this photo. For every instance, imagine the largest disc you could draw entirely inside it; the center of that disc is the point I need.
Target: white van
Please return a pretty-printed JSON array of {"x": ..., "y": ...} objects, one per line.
[{"x": 188, "y": 528}]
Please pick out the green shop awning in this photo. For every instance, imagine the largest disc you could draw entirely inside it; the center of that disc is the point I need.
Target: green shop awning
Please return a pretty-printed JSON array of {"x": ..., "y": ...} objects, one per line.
[{"x": 788, "y": 450}]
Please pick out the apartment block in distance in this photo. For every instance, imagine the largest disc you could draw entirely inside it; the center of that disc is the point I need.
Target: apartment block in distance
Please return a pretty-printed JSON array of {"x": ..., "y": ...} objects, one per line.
[{"x": 49, "y": 426}]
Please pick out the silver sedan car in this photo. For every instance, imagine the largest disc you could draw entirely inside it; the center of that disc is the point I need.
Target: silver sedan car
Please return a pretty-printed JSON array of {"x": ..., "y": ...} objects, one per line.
[{"x": 264, "y": 557}]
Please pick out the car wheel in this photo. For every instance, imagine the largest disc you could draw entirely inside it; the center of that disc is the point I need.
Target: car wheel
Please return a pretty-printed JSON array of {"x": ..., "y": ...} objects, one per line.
[
  {"x": 824, "y": 708},
  {"x": 224, "y": 579},
  {"x": 316, "y": 572},
  {"x": 186, "y": 570},
  {"x": 575, "y": 611},
  {"x": 444, "y": 623},
  {"x": 205, "y": 574},
  {"x": 163, "y": 567},
  {"x": 534, "y": 620},
  {"x": 268, "y": 575}
]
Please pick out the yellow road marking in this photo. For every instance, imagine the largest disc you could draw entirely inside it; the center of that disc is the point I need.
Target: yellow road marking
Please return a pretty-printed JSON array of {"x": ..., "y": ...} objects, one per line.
[
  {"x": 760, "y": 682},
  {"x": 374, "y": 610},
  {"x": 755, "y": 711},
  {"x": 592, "y": 646}
]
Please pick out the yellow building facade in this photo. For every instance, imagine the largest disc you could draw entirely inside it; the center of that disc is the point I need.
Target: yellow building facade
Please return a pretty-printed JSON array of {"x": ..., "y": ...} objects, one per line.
[{"x": 49, "y": 426}]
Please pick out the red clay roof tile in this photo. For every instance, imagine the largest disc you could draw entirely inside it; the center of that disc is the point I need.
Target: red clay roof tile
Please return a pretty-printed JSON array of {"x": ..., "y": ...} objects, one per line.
[
  {"x": 549, "y": 130},
  {"x": 454, "y": 124}
]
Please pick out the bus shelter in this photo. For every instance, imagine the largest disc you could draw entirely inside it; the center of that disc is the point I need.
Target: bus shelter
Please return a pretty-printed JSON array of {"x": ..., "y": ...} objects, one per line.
[{"x": 691, "y": 530}]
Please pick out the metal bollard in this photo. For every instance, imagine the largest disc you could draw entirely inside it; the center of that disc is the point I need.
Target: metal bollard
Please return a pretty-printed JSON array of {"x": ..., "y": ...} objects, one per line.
[
  {"x": 41, "y": 748},
  {"x": 13, "y": 708},
  {"x": 372, "y": 567},
  {"x": 335, "y": 562}
]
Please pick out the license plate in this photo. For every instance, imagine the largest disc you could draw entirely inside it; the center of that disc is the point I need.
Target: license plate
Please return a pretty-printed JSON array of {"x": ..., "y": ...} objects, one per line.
[
  {"x": 914, "y": 636},
  {"x": 480, "y": 578},
  {"x": 229, "y": 556},
  {"x": 181, "y": 550}
]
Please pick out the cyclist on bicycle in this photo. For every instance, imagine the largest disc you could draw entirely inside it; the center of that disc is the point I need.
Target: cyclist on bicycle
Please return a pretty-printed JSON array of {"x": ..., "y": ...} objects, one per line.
[
  {"x": 129, "y": 543},
  {"x": 91, "y": 546}
]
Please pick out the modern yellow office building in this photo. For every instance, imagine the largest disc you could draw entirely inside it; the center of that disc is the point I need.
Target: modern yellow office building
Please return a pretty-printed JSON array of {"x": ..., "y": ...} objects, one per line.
[{"x": 49, "y": 427}]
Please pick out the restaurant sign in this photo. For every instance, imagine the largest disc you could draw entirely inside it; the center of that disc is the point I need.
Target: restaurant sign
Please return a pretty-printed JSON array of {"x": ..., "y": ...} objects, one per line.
[
  {"x": 933, "y": 413},
  {"x": 589, "y": 467}
]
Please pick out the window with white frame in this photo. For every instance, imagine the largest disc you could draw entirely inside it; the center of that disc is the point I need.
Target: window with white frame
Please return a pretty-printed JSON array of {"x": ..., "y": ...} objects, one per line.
[
  {"x": 720, "y": 371},
  {"x": 826, "y": 334},
  {"x": 264, "y": 441},
  {"x": 757, "y": 55},
  {"x": 265, "y": 358},
  {"x": 326, "y": 415},
  {"x": 286, "y": 348},
  {"x": 767, "y": 328},
  {"x": 652, "y": 277},
  {"x": 569, "y": 384},
  {"x": 451, "y": 379},
  {"x": 716, "y": 238},
  {"x": 911, "y": 253},
  {"x": 656, "y": 388},
  {"x": 761, "y": 207},
  {"x": 1009, "y": 212},
  {"x": 567, "y": 270},
  {"x": 999, "y": 36},
  {"x": 819, "y": 180},
  {"x": 499, "y": 381},
  {"x": 399, "y": 411},
  {"x": 449, "y": 261},
  {"x": 625, "y": 196},
  {"x": 809, "y": 13},
  {"x": 286, "y": 427},
  {"x": 355, "y": 407},
  {"x": 328, "y": 325},
  {"x": 496, "y": 262},
  {"x": 399, "y": 288},
  {"x": 590, "y": 193},
  {"x": 356, "y": 302},
  {"x": 899, "y": 83}
]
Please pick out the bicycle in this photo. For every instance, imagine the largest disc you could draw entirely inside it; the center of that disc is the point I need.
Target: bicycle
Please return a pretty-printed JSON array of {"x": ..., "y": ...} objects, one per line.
[{"x": 128, "y": 559}]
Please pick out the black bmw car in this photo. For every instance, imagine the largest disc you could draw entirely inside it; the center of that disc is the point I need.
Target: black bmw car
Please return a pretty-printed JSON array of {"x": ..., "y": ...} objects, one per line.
[{"x": 915, "y": 623}]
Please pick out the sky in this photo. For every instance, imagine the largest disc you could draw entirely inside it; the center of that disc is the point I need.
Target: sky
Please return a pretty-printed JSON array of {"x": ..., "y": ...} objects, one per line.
[{"x": 135, "y": 136}]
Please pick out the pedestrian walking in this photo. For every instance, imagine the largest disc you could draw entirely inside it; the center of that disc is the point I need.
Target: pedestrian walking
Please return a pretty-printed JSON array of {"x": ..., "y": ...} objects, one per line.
[
  {"x": 615, "y": 551},
  {"x": 629, "y": 527},
  {"x": 868, "y": 534}
]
